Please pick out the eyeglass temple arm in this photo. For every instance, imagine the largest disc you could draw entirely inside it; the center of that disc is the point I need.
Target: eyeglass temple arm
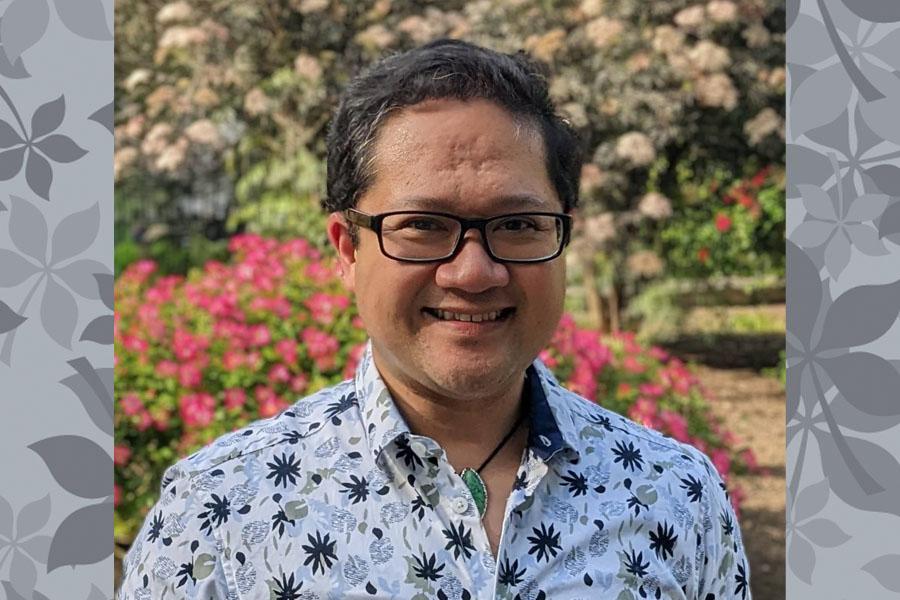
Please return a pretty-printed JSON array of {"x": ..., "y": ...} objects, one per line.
[{"x": 361, "y": 219}]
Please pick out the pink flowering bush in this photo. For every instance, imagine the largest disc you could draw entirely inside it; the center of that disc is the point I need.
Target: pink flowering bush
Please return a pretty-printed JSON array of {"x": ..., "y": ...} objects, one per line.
[
  {"x": 649, "y": 387},
  {"x": 201, "y": 355}
]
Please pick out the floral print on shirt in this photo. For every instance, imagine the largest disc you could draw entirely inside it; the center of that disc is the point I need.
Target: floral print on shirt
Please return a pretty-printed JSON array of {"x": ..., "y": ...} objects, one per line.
[{"x": 336, "y": 498}]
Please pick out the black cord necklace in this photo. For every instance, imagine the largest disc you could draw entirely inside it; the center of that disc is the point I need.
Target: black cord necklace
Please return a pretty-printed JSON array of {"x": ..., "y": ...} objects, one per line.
[{"x": 472, "y": 477}]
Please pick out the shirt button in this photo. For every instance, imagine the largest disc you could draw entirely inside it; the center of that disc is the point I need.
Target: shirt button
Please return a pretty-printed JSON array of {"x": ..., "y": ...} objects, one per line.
[
  {"x": 544, "y": 440},
  {"x": 419, "y": 448},
  {"x": 460, "y": 505}
]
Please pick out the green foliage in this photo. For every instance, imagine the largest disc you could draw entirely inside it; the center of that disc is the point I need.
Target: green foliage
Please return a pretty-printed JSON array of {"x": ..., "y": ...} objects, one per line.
[
  {"x": 779, "y": 372},
  {"x": 202, "y": 355},
  {"x": 738, "y": 232},
  {"x": 221, "y": 108},
  {"x": 125, "y": 253},
  {"x": 280, "y": 199},
  {"x": 657, "y": 311}
]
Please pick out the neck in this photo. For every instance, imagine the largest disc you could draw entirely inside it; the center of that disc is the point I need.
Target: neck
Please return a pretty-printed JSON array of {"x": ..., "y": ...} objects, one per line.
[{"x": 467, "y": 429}]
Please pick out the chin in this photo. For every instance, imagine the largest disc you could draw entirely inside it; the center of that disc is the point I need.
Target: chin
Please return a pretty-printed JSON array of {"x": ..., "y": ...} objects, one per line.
[{"x": 472, "y": 380}]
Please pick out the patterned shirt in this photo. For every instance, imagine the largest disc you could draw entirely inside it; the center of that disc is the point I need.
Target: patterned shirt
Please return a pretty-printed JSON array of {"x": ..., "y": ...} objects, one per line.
[{"x": 335, "y": 498}]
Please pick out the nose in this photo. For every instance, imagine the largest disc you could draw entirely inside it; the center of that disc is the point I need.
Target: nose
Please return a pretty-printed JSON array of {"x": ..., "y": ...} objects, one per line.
[{"x": 472, "y": 270}]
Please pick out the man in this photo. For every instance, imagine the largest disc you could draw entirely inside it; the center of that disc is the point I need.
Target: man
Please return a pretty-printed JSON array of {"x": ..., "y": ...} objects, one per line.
[{"x": 452, "y": 465}]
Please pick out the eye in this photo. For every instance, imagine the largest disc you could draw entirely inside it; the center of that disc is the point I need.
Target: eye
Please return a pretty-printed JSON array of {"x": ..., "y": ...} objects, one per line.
[
  {"x": 423, "y": 224},
  {"x": 517, "y": 224}
]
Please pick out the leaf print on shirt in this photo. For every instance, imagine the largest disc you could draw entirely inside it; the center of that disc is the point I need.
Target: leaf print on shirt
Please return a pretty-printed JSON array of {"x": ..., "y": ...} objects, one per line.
[
  {"x": 284, "y": 588},
  {"x": 292, "y": 437},
  {"x": 320, "y": 552},
  {"x": 576, "y": 482},
  {"x": 510, "y": 574},
  {"x": 284, "y": 469},
  {"x": 155, "y": 529},
  {"x": 575, "y": 562},
  {"x": 628, "y": 455},
  {"x": 279, "y": 520},
  {"x": 599, "y": 540},
  {"x": 346, "y": 402},
  {"x": 544, "y": 542},
  {"x": 410, "y": 459},
  {"x": 460, "y": 540},
  {"x": 601, "y": 420},
  {"x": 381, "y": 549},
  {"x": 567, "y": 539},
  {"x": 186, "y": 572},
  {"x": 521, "y": 480},
  {"x": 694, "y": 488},
  {"x": 727, "y": 523},
  {"x": 356, "y": 569},
  {"x": 634, "y": 503},
  {"x": 357, "y": 489},
  {"x": 663, "y": 540},
  {"x": 254, "y": 532},
  {"x": 187, "y": 568},
  {"x": 419, "y": 505},
  {"x": 217, "y": 513},
  {"x": 427, "y": 568},
  {"x": 634, "y": 563},
  {"x": 740, "y": 579},
  {"x": 452, "y": 587}
]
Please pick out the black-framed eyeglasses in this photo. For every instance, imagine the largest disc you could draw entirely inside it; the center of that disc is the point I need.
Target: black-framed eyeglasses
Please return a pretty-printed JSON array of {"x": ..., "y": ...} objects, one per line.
[{"x": 423, "y": 236}]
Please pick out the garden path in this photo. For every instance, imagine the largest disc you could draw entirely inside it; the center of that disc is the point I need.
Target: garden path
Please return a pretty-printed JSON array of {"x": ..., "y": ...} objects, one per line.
[{"x": 753, "y": 408}]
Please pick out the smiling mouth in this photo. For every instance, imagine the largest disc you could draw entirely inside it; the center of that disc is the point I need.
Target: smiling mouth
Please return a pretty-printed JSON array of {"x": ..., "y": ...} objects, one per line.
[{"x": 492, "y": 316}]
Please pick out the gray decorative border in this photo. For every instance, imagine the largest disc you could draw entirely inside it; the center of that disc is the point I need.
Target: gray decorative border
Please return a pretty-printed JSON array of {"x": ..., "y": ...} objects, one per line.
[
  {"x": 843, "y": 299},
  {"x": 56, "y": 299}
]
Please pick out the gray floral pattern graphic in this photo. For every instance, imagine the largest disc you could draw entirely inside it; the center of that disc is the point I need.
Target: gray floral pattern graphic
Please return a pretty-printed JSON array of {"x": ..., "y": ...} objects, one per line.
[
  {"x": 35, "y": 148},
  {"x": 23, "y": 549},
  {"x": 843, "y": 220},
  {"x": 54, "y": 260},
  {"x": 24, "y": 23},
  {"x": 56, "y": 504},
  {"x": 336, "y": 497},
  {"x": 840, "y": 226}
]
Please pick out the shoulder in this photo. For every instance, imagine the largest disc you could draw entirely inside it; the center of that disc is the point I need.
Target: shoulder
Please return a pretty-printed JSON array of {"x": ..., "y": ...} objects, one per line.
[
  {"x": 305, "y": 420},
  {"x": 599, "y": 428},
  {"x": 202, "y": 491},
  {"x": 645, "y": 477}
]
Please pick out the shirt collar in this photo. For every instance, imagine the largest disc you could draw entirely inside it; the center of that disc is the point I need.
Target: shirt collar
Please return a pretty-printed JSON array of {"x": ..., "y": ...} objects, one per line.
[
  {"x": 381, "y": 417},
  {"x": 552, "y": 424},
  {"x": 552, "y": 419}
]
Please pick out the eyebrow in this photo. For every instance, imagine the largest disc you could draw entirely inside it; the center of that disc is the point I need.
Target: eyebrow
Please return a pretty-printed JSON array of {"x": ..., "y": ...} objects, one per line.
[{"x": 512, "y": 202}]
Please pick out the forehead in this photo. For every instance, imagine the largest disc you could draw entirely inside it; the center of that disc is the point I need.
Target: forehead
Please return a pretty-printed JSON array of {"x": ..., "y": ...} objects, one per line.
[{"x": 472, "y": 156}]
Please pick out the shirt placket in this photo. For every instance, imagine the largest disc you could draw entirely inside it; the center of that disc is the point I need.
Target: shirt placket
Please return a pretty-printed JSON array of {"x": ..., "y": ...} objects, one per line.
[{"x": 455, "y": 508}]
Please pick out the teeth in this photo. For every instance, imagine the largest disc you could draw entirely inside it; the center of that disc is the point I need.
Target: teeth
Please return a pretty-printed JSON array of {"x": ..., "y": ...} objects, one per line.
[{"x": 451, "y": 316}]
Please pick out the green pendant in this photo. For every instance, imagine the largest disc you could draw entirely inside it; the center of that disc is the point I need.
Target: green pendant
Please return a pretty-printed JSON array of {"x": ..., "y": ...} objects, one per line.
[{"x": 476, "y": 487}]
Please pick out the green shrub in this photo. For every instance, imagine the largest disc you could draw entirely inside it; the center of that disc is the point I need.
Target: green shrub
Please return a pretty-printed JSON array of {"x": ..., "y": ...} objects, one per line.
[
  {"x": 202, "y": 355},
  {"x": 727, "y": 229}
]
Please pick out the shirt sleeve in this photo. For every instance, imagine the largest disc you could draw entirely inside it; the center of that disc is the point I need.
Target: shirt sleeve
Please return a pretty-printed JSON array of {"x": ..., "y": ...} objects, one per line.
[
  {"x": 176, "y": 554},
  {"x": 721, "y": 561}
]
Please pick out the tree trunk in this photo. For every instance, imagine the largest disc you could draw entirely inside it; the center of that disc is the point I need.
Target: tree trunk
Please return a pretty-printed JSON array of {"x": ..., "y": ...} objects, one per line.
[
  {"x": 615, "y": 322},
  {"x": 592, "y": 299}
]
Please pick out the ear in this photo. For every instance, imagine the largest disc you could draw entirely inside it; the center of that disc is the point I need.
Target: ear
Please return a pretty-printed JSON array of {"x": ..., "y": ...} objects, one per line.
[{"x": 339, "y": 235}]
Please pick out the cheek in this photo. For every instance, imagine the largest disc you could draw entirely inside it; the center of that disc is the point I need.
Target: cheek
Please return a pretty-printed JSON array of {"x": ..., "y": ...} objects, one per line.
[
  {"x": 546, "y": 287},
  {"x": 546, "y": 296},
  {"x": 388, "y": 291}
]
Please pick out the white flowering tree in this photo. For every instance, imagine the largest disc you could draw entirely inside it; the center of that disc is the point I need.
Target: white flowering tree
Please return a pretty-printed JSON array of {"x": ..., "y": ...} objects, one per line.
[{"x": 221, "y": 109}]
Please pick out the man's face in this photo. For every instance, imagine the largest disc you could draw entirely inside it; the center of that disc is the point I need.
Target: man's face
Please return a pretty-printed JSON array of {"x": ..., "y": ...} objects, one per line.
[{"x": 472, "y": 159}]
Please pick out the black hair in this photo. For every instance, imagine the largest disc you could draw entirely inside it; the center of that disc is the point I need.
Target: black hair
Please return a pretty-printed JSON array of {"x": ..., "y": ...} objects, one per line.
[{"x": 444, "y": 69}]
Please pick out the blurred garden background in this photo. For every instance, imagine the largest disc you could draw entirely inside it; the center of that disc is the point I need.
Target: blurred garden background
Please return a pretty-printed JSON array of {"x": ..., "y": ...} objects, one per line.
[{"x": 228, "y": 307}]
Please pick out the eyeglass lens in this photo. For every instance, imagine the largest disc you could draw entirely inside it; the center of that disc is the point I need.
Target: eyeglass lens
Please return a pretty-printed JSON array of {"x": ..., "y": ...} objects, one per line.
[{"x": 515, "y": 237}]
